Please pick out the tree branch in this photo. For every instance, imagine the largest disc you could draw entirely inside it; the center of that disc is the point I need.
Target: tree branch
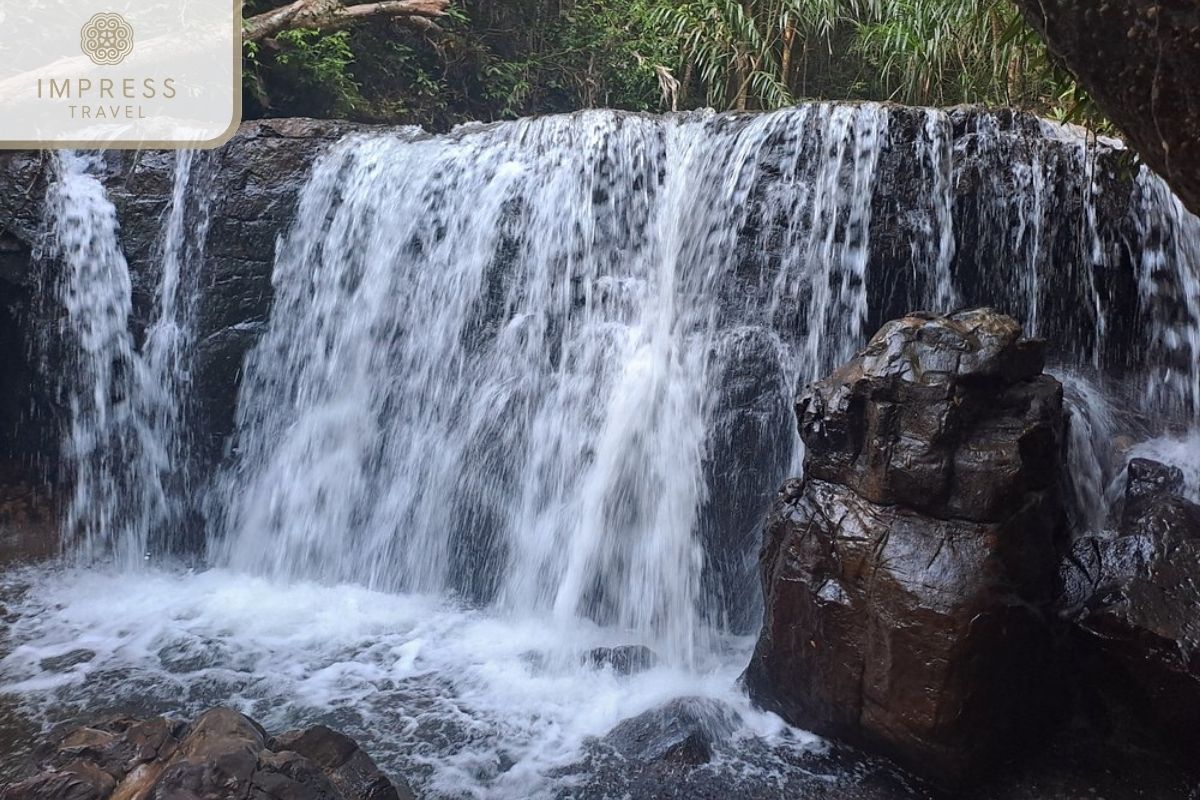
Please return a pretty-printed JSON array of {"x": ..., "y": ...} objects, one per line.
[{"x": 330, "y": 15}]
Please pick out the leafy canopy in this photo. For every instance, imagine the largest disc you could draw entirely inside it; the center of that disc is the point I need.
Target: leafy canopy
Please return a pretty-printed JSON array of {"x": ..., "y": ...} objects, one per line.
[{"x": 493, "y": 59}]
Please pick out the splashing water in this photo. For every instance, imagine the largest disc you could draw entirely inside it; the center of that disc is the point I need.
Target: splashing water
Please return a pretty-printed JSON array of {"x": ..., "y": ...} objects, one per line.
[{"x": 1093, "y": 456}]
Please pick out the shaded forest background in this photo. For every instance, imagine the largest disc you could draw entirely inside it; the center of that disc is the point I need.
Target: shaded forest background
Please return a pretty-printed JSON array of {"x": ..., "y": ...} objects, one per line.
[{"x": 499, "y": 59}]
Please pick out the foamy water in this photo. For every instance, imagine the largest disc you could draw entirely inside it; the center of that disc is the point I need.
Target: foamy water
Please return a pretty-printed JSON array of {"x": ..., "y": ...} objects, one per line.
[{"x": 466, "y": 702}]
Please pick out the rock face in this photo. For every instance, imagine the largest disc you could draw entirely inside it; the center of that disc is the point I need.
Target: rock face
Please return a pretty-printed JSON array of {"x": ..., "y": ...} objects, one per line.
[
  {"x": 906, "y": 576},
  {"x": 1134, "y": 599},
  {"x": 223, "y": 754},
  {"x": 1138, "y": 61}
]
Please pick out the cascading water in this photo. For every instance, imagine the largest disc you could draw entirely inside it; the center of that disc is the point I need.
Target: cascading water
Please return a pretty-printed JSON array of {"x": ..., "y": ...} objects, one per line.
[
  {"x": 125, "y": 442},
  {"x": 170, "y": 342},
  {"x": 492, "y": 367},
  {"x": 1159, "y": 405},
  {"x": 1169, "y": 282},
  {"x": 114, "y": 462},
  {"x": 1092, "y": 459},
  {"x": 525, "y": 391}
]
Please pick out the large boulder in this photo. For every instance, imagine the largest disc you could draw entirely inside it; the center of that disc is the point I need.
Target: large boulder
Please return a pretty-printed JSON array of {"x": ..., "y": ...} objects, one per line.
[
  {"x": 348, "y": 767},
  {"x": 1134, "y": 600},
  {"x": 906, "y": 576},
  {"x": 222, "y": 754}
]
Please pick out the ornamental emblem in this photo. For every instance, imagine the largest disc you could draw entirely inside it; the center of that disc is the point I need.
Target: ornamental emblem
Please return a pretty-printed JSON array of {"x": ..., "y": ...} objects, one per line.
[{"x": 107, "y": 39}]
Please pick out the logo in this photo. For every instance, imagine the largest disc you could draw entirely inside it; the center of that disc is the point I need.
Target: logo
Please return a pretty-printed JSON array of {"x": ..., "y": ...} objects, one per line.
[
  {"x": 140, "y": 73},
  {"x": 106, "y": 39}
]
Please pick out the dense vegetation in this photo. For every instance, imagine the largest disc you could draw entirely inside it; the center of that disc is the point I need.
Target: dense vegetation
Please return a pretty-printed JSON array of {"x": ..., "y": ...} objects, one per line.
[{"x": 491, "y": 59}]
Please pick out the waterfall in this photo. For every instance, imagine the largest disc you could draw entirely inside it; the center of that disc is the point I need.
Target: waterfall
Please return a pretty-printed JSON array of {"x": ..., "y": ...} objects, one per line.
[
  {"x": 526, "y": 390},
  {"x": 1169, "y": 283},
  {"x": 170, "y": 341},
  {"x": 494, "y": 359},
  {"x": 124, "y": 437},
  {"x": 548, "y": 364},
  {"x": 1156, "y": 415},
  {"x": 1092, "y": 457},
  {"x": 510, "y": 363},
  {"x": 113, "y": 461}
]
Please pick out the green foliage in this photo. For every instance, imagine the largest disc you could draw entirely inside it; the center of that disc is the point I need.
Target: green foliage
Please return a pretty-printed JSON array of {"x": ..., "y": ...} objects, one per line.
[
  {"x": 596, "y": 53},
  {"x": 507, "y": 58},
  {"x": 322, "y": 60},
  {"x": 733, "y": 50},
  {"x": 952, "y": 51},
  {"x": 766, "y": 53}
]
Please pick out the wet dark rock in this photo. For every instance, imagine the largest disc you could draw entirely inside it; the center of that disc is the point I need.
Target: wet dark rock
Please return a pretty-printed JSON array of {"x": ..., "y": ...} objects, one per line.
[
  {"x": 223, "y": 754},
  {"x": 1138, "y": 61},
  {"x": 1134, "y": 600},
  {"x": 217, "y": 758},
  {"x": 350, "y": 770},
  {"x": 682, "y": 733},
  {"x": 626, "y": 659},
  {"x": 1148, "y": 482},
  {"x": 118, "y": 745},
  {"x": 28, "y": 521},
  {"x": 907, "y": 576},
  {"x": 76, "y": 781}
]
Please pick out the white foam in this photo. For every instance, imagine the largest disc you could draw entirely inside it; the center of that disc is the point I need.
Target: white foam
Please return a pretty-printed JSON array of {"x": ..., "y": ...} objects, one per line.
[{"x": 438, "y": 692}]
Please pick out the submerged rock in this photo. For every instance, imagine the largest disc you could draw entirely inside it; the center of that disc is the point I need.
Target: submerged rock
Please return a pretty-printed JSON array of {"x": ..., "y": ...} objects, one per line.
[
  {"x": 1134, "y": 600},
  {"x": 682, "y": 732},
  {"x": 627, "y": 659},
  {"x": 223, "y": 754},
  {"x": 907, "y": 575}
]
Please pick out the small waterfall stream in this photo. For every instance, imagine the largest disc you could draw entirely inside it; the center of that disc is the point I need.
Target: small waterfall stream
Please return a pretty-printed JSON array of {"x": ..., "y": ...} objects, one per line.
[
  {"x": 126, "y": 448},
  {"x": 525, "y": 390},
  {"x": 115, "y": 460},
  {"x": 1170, "y": 285}
]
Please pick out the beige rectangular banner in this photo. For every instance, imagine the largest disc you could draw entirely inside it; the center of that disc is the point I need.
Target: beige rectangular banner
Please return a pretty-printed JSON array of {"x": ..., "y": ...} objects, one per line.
[{"x": 119, "y": 73}]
